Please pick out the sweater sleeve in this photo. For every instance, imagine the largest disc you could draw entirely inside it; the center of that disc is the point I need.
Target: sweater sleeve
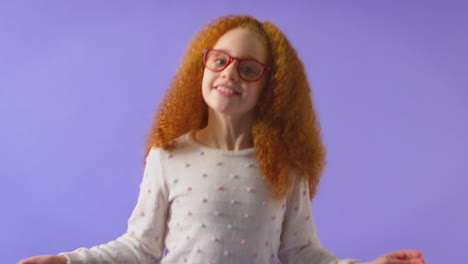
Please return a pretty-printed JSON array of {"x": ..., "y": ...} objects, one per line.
[
  {"x": 299, "y": 241},
  {"x": 143, "y": 241}
]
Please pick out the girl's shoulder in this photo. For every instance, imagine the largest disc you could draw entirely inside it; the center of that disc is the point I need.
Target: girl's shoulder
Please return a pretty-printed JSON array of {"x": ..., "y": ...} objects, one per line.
[{"x": 183, "y": 144}]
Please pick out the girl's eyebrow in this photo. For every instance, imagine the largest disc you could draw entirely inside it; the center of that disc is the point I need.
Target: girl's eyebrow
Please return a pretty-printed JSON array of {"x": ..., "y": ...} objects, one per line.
[{"x": 243, "y": 57}]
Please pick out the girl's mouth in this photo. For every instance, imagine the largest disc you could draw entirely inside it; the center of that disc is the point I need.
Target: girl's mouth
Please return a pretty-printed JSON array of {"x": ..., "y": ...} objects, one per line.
[{"x": 226, "y": 91}]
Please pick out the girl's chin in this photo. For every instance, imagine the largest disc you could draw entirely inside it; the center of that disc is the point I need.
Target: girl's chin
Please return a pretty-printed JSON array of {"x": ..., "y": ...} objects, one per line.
[{"x": 228, "y": 112}]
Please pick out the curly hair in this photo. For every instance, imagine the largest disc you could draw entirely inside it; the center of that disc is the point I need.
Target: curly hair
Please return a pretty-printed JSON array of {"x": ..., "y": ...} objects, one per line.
[{"x": 285, "y": 131}]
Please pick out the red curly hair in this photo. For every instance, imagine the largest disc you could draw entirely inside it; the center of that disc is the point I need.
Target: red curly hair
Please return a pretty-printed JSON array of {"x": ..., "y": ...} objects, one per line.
[{"x": 286, "y": 131}]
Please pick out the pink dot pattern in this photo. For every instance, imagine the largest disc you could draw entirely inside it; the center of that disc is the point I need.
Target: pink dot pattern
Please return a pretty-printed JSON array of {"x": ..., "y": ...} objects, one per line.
[{"x": 201, "y": 205}]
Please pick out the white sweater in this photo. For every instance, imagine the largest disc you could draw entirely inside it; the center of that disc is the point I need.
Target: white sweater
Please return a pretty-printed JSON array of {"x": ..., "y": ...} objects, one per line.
[{"x": 212, "y": 206}]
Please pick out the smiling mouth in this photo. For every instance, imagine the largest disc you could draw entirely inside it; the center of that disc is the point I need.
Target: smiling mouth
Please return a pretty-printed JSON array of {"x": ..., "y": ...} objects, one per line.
[{"x": 227, "y": 91}]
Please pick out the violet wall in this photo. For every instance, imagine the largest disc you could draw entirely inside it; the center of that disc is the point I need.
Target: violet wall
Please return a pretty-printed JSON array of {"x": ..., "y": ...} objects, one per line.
[{"x": 79, "y": 82}]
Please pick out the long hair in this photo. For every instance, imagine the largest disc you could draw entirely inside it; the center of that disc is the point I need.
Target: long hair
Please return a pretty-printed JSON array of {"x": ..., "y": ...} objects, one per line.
[{"x": 286, "y": 131}]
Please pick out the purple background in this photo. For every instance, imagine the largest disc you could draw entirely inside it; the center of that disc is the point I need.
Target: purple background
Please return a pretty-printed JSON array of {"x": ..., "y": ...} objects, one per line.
[{"x": 79, "y": 81}]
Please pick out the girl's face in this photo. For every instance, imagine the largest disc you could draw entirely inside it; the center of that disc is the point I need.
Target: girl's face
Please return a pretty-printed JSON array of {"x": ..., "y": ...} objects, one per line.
[{"x": 225, "y": 92}]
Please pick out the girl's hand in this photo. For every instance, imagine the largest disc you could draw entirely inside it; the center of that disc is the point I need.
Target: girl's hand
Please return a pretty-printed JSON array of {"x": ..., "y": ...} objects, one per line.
[
  {"x": 400, "y": 257},
  {"x": 45, "y": 259}
]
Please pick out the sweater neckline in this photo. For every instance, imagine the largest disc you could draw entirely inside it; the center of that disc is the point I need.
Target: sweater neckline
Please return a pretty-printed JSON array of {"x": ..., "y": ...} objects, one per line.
[{"x": 193, "y": 142}]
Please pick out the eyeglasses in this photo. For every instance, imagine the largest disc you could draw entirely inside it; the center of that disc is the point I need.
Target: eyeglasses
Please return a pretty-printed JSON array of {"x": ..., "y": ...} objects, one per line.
[{"x": 249, "y": 70}]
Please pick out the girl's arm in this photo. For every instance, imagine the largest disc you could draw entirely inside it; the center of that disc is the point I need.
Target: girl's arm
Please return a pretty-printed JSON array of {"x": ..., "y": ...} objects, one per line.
[
  {"x": 299, "y": 241},
  {"x": 143, "y": 242}
]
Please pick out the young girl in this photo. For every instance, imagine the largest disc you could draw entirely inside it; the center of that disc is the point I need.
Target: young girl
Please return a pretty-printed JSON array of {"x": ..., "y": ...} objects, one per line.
[{"x": 233, "y": 159}]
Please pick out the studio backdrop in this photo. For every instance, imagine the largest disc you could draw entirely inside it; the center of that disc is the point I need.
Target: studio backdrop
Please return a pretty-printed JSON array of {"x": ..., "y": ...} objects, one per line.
[{"x": 80, "y": 81}]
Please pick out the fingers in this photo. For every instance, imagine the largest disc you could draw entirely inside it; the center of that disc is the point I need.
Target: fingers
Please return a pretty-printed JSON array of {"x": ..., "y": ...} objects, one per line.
[
  {"x": 36, "y": 260},
  {"x": 405, "y": 254},
  {"x": 403, "y": 257},
  {"x": 27, "y": 261},
  {"x": 399, "y": 261}
]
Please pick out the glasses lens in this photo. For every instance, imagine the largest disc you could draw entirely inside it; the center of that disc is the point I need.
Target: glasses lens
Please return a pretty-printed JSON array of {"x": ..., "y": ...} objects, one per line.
[
  {"x": 216, "y": 60},
  {"x": 250, "y": 70}
]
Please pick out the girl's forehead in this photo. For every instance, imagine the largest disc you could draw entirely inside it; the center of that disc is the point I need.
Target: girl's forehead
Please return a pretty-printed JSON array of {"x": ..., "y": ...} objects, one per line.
[{"x": 242, "y": 43}]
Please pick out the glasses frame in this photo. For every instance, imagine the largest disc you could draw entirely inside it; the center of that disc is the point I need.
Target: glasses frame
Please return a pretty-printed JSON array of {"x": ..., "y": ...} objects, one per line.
[{"x": 265, "y": 68}]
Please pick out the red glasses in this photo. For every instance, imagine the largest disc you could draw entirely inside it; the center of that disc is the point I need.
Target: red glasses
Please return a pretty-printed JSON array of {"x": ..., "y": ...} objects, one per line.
[{"x": 249, "y": 70}]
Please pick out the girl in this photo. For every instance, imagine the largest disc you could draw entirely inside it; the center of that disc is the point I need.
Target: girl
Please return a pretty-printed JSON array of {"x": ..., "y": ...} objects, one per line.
[{"x": 233, "y": 159}]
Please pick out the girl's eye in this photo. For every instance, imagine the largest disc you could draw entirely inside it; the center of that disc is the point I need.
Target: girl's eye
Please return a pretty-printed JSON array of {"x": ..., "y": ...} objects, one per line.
[
  {"x": 220, "y": 62},
  {"x": 249, "y": 71}
]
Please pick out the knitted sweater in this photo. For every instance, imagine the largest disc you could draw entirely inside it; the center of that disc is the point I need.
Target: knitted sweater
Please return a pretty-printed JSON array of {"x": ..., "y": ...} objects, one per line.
[{"x": 202, "y": 205}]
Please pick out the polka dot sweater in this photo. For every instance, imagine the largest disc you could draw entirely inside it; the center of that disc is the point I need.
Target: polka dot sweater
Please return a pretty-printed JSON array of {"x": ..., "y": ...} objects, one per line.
[{"x": 202, "y": 205}]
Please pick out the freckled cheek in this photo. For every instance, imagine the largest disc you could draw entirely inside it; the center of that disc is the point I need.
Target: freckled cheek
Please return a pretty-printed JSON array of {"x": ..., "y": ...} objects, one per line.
[
  {"x": 205, "y": 81},
  {"x": 208, "y": 79},
  {"x": 251, "y": 98},
  {"x": 253, "y": 92},
  {"x": 206, "y": 87}
]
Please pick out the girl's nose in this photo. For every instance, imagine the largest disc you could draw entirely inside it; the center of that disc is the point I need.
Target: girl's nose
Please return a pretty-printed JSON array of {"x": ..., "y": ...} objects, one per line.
[{"x": 230, "y": 72}]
